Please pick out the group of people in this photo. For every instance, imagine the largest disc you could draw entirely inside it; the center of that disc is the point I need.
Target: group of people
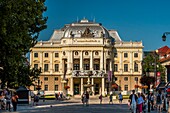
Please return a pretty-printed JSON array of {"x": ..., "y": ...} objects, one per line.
[
  {"x": 8, "y": 100},
  {"x": 85, "y": 98},
  {"x": 59, "y": 96},
  {"x": 138, "y": 102}
]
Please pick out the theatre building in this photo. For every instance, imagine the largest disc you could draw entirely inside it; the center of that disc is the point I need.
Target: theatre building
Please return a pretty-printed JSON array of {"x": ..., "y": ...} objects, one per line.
[{"x": 85, "y": 55}]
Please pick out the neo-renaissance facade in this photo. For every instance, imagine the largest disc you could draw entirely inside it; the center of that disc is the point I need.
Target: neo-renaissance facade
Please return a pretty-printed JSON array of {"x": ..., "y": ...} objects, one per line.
[{"x": 86, "y": 53}]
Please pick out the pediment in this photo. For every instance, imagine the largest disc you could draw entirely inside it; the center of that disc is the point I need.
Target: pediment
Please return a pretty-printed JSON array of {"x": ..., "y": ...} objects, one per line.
[
  {"x": 125, "y": 61},
  {"x": 46, "y": 61},
  {"x": 36, "y": 61},
  {"x": 56, "y": 61}
]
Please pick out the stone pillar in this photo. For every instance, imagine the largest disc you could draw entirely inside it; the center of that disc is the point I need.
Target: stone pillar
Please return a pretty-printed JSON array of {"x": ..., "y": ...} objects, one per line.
[
  {"x": 101, "y": 60},
  {"x": 61, "y": 62},
  {"x": 104, "y": 61},
  {"x": 121, "y": 62},
  {"x": 31, "y": 58},
  {"x": 81, "y": 60},
  {"x": 131, "y": 63},
  {"x": 71, "y": 86},
  {"x": 92, "y": 82},
  {"x": 103, "y": 87},
  {"x": 91, "y": 61},
  {"x": 51, "y": 63},
  {"x": 41, "y": 60},
  {"x": 82, "y": 86},
  {"x": 70, "y": 61}
]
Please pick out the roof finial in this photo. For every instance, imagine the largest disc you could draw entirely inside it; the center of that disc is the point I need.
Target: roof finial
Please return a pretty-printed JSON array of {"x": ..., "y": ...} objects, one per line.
[
  {"x": 94, "y": 19},
  {"x": 77, "y": 19},
  {"x": 84, "y": 18}
]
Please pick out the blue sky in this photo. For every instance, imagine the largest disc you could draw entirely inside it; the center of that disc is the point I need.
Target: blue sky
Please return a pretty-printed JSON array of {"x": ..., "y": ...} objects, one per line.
[{"x": 136, "y": 20}]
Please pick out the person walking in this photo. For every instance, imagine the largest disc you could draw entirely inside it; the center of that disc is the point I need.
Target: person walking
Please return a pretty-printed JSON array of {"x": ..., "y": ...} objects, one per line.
[
  {"x": 152, "y": 101},
  {"x": 100, "y": 98},
  {"x": 111, "y": 98},
  {"x": 8, "y": 101},
  {"x": 140, "y": 102},
  {"x": 159, "y": 100},
  {"x": 133, "y": 101},
  {"x": 120, "y": 97},
  {"x": 15, "y": 101},
  {"x": 87, "y": 98}
]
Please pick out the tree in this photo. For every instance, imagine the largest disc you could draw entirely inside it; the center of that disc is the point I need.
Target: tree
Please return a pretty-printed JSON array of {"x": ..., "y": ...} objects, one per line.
[
  {"x": 150, "y": 62},
  {"x": 20, "y": 24}
]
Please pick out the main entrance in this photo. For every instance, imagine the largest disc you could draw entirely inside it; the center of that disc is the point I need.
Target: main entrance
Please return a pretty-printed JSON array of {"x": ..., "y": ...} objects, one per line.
[{"x": 76, "y": 89}]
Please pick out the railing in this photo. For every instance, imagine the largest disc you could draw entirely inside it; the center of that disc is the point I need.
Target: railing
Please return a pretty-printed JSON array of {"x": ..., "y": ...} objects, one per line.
[{"x": 85, "y": 73}]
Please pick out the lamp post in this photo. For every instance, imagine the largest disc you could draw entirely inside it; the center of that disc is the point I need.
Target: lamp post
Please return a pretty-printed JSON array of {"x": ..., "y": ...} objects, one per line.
[{"x": 164, "y": 36}]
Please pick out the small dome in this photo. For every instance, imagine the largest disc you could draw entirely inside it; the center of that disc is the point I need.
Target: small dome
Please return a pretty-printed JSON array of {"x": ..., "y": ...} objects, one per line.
[{"x": 84, "y": 28}]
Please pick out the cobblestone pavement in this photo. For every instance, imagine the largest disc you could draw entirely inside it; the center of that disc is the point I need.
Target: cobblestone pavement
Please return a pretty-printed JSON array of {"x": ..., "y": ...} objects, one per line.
[{"x": 74, "y": 105}]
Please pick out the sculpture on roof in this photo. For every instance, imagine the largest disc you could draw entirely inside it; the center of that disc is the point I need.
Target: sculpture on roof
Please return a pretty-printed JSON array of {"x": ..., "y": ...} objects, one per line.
[{"x": 87, "y": 33}]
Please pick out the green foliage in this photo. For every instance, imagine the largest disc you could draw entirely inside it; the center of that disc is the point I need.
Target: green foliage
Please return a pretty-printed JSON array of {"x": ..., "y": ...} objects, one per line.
[
  {"x": 149, "y": 65},
  {"x": 20, "y": 24}
]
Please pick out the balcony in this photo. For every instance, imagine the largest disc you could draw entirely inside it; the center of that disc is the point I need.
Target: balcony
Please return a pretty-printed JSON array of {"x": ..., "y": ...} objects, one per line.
[{"x": 86, "y": 73}]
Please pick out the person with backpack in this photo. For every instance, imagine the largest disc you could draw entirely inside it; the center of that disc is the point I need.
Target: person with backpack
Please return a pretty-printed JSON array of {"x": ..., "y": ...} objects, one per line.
[
  {"x": 133, "y": 101},
  {"x": 159, "y": 100}
]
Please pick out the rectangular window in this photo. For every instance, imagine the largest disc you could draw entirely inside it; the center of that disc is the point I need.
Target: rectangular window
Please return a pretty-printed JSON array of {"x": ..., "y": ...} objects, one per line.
[
  {"x": 56, "y": 67},
  {"x": 125, "y": 78},
  {"x": 46, "y": 54},
  {"x": 46, "y": 87},
  {"x": 35, "y": 55},
  {"x": 45, "y": 78},
  {"x": 56, "y": 55},
  {"x": 135, "y": 55},
  {"x": 76, "y": 67},
  {"x": 45, "y": 67},
  {"x": 86, "y": 66},
  {"x": 36, "y": 66},
  {"x": 56, "y": 78},
  {"x": 115, "y": 67},
  {"x": 136, "y": 67},
  {"x": 56, "y": 88},
  {"x": 126, "y": 87},
  {"x": 125, "y": 67},
  {"x": 96, "y": 67},
  {"x": 125, "y": 55}
]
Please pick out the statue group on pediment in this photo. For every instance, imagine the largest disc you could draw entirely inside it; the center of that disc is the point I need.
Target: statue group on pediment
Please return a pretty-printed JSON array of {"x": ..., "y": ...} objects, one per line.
[
  {"x": 87, "y": 33},
  {"x": 87, "y": 73}
]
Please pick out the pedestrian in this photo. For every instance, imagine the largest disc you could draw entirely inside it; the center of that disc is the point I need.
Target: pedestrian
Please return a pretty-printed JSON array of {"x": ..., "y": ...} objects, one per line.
[
  {"x": 111, "y": 98},
  {"x": 129, "y": 105},
  {"x": 159, "y": 100},
  {"x": 120, "y": 97},
  {"x": 140, "y": 102},
  {"x": 87, "y": 98},
  {"x": 133, "y": 101},
  {"x": 152, "y": 101},
  {"x": 83, "y": 98},
  {"x": 100, "y": 98},
  {"x": 15, "y": 101},
  {"x": 56, "y": 96},
  {"x": 8, "y": 100}
]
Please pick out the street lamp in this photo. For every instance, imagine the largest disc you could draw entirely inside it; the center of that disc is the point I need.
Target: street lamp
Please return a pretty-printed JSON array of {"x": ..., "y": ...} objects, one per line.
[{"x": 164, "y": 36}]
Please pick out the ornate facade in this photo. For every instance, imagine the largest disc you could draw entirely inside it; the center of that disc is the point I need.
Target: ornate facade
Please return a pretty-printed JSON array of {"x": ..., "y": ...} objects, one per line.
[{"x": 85, "y": 54}]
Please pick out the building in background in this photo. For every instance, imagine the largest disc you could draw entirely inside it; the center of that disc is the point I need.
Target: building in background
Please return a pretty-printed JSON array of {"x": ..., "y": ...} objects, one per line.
[{"x": 85, "y": 55}]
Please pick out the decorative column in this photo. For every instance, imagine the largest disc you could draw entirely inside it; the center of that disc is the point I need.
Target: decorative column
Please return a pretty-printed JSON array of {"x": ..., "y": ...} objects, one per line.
[
  {"x": 41, "y": 60},
  {"x": 70, "y": 61},
  {"x": 82, "y": 86},
  {"x": 101, "y": 60},
  {"x": 51, "y": 63},
  {"x": 103, "y": 87},
  {"x": 92, "y": 82},
  {"x": 61, "y": 61},
  {"x": 81, "y": 60},
  {"x": 104, "y": 61},
  {"x": 91, "y": 61},
  {"x": 121, "y": 62},
  {"x": 71, "y": 85},
  {"x": 131, "y": 62},
  {"x": 31, "y": 54}
]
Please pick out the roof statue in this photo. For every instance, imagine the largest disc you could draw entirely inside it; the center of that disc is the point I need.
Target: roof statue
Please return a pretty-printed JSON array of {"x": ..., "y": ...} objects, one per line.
[{"x": 87, "y": 33}]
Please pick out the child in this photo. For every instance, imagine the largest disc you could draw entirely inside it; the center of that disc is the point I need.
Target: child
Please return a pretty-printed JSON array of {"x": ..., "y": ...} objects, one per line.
[{"x": 129, "y": 105}]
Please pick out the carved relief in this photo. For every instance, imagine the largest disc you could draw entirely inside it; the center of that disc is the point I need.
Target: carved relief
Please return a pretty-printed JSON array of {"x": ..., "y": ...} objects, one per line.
[{"x": 87, "y": 33}]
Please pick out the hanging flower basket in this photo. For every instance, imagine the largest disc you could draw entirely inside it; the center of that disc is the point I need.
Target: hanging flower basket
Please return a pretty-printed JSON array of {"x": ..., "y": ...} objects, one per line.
[
  {"x": 66, "y": 87},
  {"x": 136, "y": 86}
]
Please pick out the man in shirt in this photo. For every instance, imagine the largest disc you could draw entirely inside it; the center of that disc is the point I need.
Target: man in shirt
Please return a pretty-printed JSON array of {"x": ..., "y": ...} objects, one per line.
[{"x": 133, "y": 101}]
